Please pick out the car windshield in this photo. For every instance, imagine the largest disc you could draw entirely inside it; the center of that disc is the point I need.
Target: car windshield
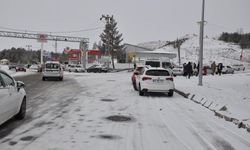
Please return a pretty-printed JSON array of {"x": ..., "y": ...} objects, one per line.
[
  {"x": 157, "y": 73},
  {"x": 52, "y": 66},
  {"x": 153, "y": 63}
]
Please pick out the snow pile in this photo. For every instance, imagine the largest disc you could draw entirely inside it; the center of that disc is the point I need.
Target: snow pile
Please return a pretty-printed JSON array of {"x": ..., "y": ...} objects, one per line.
[{"x": 227, "y": 94}]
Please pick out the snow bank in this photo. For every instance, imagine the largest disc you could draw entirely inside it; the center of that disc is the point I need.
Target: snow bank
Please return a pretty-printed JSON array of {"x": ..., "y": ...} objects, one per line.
[{"x": 228, "y": 91}]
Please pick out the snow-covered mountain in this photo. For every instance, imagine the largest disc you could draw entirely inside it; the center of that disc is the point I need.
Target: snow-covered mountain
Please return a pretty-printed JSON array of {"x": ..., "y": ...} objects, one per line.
[{"x": 213, "y": 50}]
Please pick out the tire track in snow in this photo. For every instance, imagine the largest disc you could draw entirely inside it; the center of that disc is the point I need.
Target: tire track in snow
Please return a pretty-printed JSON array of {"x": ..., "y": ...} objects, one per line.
[
  {"x": 167, "y": 128},
  {"x": 201, "y": 139}
]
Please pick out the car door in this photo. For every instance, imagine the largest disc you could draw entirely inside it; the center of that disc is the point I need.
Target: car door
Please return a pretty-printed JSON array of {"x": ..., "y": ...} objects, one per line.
[
  {"x": 11, "y": 104},
  {"x": 4, "y": 94}
]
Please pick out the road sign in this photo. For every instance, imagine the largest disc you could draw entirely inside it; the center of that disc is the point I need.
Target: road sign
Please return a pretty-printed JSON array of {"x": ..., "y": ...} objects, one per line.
[{"x": 42, "y": 38}]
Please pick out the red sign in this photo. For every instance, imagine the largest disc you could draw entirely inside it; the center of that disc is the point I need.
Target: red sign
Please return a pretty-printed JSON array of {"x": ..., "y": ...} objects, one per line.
[{"x": 42, "y": 37}]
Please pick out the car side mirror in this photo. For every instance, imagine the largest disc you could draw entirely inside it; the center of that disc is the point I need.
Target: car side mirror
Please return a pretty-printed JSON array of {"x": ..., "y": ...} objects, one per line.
[{"x": 20, "y": 85}]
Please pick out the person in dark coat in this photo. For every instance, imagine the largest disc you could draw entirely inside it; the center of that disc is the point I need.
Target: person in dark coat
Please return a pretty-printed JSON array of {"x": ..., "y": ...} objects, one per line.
[
  {"x": 185, "y": 69},
  {"x": 220, "y": 66},
  {"x": 189, "y": 69}
]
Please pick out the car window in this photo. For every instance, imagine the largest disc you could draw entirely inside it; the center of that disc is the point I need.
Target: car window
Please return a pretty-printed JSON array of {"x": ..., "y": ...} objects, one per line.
[
  {"x": 166, "y": 65},
  {"x": 8, "y": 81},
  {"x": 153, "y": 63},
  {"x": 52, "y": 66},
  {"x": 157, "y": 73}
]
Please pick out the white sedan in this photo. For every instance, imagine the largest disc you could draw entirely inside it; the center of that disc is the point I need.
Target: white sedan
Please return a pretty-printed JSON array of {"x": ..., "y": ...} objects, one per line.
[
  {"x": 155, "y": 80},
  {"x": 12, "y": 98}
]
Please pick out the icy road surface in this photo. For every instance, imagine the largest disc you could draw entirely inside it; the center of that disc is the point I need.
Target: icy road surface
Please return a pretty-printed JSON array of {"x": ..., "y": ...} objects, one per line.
[{"x": 75, "y": 113}]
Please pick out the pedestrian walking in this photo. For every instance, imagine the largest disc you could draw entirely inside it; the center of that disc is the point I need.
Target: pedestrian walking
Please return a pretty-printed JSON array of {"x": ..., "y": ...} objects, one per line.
[{"x": 213, "y": 67}]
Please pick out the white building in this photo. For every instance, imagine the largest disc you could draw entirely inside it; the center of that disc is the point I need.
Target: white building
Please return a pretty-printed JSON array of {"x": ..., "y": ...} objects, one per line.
[{"x": 4, "y": 62}]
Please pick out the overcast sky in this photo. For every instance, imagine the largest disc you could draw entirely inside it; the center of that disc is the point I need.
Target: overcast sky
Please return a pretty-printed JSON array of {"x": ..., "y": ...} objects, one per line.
[{"x": 138, "y": 20}]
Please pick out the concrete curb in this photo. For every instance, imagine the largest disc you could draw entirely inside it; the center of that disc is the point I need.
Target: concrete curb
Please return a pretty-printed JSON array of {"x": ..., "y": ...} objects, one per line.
[{"x": 204, "y": 103}]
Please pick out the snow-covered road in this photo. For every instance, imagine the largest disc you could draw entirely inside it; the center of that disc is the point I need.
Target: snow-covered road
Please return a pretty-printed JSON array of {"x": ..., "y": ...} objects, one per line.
[{"x": 82, "y": 121}]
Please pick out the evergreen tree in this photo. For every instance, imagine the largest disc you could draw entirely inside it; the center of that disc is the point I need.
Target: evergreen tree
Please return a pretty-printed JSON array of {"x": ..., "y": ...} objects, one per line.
[
  {"x": 95, "y": 46},
  {"x": 111, "y": 38}
]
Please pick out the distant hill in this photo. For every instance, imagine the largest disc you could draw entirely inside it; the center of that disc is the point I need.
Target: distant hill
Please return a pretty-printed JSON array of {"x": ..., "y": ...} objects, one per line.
[{"x": 214, "y": 50}]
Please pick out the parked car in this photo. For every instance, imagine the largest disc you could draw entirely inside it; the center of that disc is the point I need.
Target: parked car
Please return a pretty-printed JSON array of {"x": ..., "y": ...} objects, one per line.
[
  {"x": 136, "y": 72},
  {"x": 178, "y": 70},
  {"x": 20, "y": 68},
  {"x": 227, "y": 69},
  {"x": 36, "y": 67},
  {"x": 155, "y": 80},
  {"x": 75, "y": 68},
  {"x": 238, "y": 67},
  {"x": 13, "y": 98},
  {"x": 71, "y": 68},
  {"x": 97, "y": 68},
  {"x": 12, "y": 66},
  {"x": 79, "y": 68},
  {"x": 52, "y": 69}
]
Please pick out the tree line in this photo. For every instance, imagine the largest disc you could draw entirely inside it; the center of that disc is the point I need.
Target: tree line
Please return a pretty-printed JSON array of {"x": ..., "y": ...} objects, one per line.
[
  {"x": 23, "y": 56},
  {"x": 242, "y": 39},
  {"x": 20, "y": 55}
]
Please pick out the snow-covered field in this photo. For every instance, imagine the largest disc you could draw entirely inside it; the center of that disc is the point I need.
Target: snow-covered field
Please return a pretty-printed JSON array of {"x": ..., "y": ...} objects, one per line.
[
  {"x": 213, "y": 50},
  {"x": 153, "y": 122}
]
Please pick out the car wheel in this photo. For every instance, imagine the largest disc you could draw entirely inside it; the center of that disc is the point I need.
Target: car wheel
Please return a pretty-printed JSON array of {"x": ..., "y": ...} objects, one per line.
[
  {"x": 141, "y": 93},
  {"x": 69, "y": 70},
  {"x": 44, "y": 78},
  {"x": 134, "y": 85},
  {"x": 171, "y": 93},
  {"x": 21, "y": 114}
]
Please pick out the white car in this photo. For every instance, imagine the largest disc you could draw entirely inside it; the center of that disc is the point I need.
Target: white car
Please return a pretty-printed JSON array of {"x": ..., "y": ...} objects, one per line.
[
  {"x": 227, "y": 69},
  {"x": 178, "y": 70},
  {"x": 12, "y": 98},
  {"x": 155, "y": 80},
  {"x": 79, "y": 68},
  {"x": 53, "y": 69},
  {"x": 238, "y": 67}
]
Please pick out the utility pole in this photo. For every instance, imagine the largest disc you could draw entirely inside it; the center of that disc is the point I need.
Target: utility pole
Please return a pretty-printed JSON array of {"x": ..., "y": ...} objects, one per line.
[
  {"x": 109, "y": 46},
  {"x": 56, "y": 46},
  {"x": 201, "y": 44},
  {"x": 83, "y": 49},
  {"x": 178, "y": 46},
  {"x": 42, "y": 53}
]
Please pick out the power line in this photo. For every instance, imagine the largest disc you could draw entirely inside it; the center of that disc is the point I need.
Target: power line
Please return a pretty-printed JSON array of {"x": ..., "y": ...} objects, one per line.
[{"x": 72, "y": 31}]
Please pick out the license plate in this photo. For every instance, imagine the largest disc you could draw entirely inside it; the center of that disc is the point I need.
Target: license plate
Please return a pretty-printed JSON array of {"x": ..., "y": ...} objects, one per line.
[{"x": 158, "y": 80}]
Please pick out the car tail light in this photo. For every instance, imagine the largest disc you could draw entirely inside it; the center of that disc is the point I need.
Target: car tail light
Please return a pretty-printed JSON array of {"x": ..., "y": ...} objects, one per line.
[
  {"x": 170, "y": 78},
  {"x": 146, "y": 78}
]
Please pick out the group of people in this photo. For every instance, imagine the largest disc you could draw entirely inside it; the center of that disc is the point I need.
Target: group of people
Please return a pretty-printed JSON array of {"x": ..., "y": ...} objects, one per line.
[
  {"x": 219, "y": 68},
  {"x": 190, "y": 69}
]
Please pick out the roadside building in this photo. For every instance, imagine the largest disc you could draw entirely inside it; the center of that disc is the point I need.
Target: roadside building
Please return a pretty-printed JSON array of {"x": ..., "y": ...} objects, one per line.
[
  {"x": 4, "y": 62},
  {"x": 131, "y": 50}
]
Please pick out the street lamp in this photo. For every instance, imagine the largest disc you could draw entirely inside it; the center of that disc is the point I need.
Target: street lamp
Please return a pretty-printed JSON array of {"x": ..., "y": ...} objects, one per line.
[{"x": 201, "y": 44}]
